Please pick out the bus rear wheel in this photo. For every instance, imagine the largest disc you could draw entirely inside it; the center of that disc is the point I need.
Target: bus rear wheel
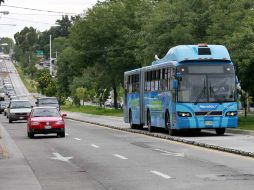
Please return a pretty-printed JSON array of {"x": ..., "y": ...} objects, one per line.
[
  {"x": 220, "y": 131},
  {"x": 168, "y": 125},
  {"x": 149, "y": 125},
  {"x": 133, "y": 126}
]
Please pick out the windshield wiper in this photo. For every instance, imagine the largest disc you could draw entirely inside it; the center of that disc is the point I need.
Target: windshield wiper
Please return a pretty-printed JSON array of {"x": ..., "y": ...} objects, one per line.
[{"x": 200, "y": 94}]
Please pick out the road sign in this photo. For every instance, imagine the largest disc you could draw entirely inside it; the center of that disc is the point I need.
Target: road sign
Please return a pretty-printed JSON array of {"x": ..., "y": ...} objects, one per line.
[{"x": 39, "y": 53}]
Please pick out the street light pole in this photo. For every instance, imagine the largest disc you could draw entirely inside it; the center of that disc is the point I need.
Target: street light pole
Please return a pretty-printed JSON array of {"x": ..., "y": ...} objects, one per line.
[{"x": 50, "y": 58}]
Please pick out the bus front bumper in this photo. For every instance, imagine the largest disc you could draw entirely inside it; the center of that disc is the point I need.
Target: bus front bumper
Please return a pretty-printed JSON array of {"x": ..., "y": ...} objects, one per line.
[{"x": 206, "y": 122}]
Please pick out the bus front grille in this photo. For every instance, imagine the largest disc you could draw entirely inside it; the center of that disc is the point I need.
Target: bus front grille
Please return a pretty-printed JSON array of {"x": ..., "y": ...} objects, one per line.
[{"x": 209, "y": 113}]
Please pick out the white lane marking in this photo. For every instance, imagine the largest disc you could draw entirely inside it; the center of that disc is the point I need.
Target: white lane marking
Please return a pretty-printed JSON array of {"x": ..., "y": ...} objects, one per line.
[
  {"x": 60, "y": 157},
  {"x": 160, "y": 174},
  {"x": 121, "y": 157},
  {"x": 78, "y": 139},
  {"x": 164, "y": 152},
  {"x": 94, "y": 145},
  {"x": 66, "y": 134}
]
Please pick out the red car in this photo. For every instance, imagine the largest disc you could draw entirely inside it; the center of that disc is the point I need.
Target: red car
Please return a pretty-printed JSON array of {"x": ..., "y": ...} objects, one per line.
[{"x": 45, "y": 120}]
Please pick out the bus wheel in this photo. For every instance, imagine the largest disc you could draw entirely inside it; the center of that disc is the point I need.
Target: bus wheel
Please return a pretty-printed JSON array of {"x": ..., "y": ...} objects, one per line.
[
  {"x": 168, "y": 126},
  {"x": 220, "y": 131},
  {"x": 133, "y": 126},
  {"x": 149, "y": 125}
]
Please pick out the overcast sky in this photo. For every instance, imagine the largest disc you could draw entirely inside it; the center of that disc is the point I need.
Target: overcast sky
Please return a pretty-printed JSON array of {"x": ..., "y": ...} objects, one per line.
[{"x": 37, "y": 19}]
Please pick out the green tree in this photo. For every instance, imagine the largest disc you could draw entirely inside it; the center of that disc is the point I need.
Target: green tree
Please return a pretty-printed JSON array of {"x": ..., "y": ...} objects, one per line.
[
  {"x": 51, "y": 89},
  {"x": 44, "y": 79},
  {"x": 106, "y": 39},
  {"x": 82, "y": 94},
  {"x": 8, "y": 45},
  {"x": 67, "y": 69}
]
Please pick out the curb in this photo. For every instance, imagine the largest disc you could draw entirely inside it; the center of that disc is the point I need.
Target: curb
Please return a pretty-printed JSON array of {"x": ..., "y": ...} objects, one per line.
[{"x": 172, "y": 138}]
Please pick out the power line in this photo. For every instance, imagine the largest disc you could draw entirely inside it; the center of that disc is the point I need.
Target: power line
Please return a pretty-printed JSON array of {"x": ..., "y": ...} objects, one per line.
[
  {"x": 9, "y": 24},
  {"x": 32, "y": 9},
  {"x": 57, "y": 15}
]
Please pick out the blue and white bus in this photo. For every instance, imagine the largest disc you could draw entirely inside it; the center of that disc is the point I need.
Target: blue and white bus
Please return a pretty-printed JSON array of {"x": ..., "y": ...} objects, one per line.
[{"x": 192, "y": 87}]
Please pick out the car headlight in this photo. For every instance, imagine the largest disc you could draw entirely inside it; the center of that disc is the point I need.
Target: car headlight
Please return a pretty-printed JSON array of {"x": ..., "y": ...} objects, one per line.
[
  {"x": 184, "y": 114},
  {"x": 59, "y": 123},
  {"x": 35, "y": 123},
  {"x": 231, "y": 113}
]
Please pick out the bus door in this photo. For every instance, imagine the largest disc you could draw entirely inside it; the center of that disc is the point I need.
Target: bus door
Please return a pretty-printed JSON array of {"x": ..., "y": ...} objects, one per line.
[
  {"x": 126, "y": 114},
  {"x": 141, "y": 93}
]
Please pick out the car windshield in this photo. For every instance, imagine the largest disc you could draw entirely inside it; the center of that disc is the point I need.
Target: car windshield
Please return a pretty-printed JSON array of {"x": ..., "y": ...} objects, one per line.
[
  {"x": 47, "y": 112},
  {"x": 48, "y": 101},
  {"x": 21, "y": 104}
]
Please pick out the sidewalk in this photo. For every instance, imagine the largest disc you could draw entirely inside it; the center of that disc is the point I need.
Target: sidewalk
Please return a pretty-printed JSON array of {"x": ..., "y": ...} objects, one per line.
[
  {"x": 234, "y": 141},
  {"x": 15, "y": 173}
]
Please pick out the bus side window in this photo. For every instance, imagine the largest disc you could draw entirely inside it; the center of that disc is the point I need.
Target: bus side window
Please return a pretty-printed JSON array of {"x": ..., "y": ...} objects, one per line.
[
  {"x": 162, "y": 80},
  {"x": 129, "y": 84},
  {"x": 150, "y": 80},
  {"x": 137, "y": 83},
  {"x": 169, "y": 78},
  {"x": 156, "y": 80},
  {"x": 145, "y": 81}
]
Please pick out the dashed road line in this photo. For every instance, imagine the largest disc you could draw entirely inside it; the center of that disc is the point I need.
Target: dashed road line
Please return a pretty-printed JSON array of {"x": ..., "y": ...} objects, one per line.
[
  {"x": 120, "y": 156},
  {"x": 161, "y": 174},
  {"x": 167, "y": 153},
  {"x": 94, "y": 145},
  {"x": 77, "y": 139}
]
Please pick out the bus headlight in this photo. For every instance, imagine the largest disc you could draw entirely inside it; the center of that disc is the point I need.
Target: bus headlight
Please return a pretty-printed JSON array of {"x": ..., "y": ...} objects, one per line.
[
  {"x": 184, "y": 114},
  {"x": 231, "y": 113}
]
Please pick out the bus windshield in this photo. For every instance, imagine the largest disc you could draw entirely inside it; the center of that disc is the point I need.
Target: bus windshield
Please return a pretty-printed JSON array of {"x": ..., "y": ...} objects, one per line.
[{"x": 209, "y": 87}]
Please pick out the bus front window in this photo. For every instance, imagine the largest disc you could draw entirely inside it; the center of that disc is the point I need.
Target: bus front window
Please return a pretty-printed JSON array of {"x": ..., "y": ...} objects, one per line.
[
  {"x": 221, "y": 88},
  {"x": 192, "y": 88},
  {"x": 198, "y": 88}
]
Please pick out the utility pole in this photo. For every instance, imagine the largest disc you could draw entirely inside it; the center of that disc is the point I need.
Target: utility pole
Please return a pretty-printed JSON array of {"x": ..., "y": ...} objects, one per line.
[{"x": 50, "y": 58}]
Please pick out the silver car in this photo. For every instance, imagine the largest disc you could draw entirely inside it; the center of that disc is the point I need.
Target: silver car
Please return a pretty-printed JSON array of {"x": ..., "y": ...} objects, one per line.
[{"x": 18, "y": 110}]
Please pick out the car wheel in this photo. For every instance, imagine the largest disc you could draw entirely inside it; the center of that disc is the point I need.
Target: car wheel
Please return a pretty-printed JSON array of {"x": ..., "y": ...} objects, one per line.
[
  {"x": 133, "y": 126},
  {"x": 149, "y": 125},
  {"x": 4, "y": 113},
  {"x": 31, "y": 135},
  {"x": 171, "y": 131},
  {"x": 220, "y": 131},
  {"x": 10, "y": 120},
  {"x": 62, "y": 134}
]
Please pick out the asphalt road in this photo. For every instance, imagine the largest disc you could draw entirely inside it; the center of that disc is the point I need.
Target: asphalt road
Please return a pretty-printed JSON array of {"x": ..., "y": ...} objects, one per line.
[{"x": 93, "y": 157}]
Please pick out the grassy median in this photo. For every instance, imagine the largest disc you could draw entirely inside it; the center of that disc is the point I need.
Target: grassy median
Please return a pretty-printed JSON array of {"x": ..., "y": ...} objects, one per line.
[
  {"x": 26, "y": 81},
  {"x": 96, "y": 110},
  {"x": 246, "y": 123}
]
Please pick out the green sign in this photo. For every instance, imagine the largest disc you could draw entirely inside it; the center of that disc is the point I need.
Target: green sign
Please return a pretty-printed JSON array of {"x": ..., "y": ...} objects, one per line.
[{"x": 39, "y": 53}]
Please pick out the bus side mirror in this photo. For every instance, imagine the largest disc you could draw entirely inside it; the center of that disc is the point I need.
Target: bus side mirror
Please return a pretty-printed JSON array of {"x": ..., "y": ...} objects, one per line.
[{"x": 175, "y": 83}]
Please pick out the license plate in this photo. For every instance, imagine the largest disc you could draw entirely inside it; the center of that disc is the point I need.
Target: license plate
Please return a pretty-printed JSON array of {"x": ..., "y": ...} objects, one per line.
[
  {"x": 47, "y": 127},
  {"x": 208, "y": 123},
  {"x": 21, "y": 117}
]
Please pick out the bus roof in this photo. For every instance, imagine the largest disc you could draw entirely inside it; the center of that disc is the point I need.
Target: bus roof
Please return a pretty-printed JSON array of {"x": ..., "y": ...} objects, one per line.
[{"x": 199, "y": 52}]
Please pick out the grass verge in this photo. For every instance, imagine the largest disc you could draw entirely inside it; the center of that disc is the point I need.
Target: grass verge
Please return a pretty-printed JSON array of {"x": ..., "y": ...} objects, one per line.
[
  {"x": 93, "y": 110},
  {"x": 27, "y": 82},
  {"x": 246, "y": 123}
]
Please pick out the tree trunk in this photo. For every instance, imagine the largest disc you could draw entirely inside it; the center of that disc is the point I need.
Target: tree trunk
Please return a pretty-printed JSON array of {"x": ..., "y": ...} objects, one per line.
[{"x": 115, "y": 97}]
